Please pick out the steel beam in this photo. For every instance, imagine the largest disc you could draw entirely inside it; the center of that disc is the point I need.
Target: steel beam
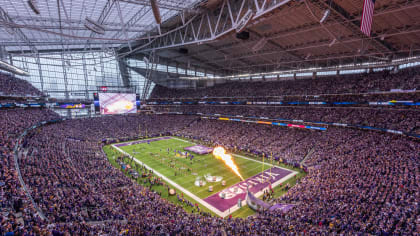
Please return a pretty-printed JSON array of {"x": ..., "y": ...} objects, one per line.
[
  {"x": 136, "y": 18},
  {"x": 85, "y": 73},
  {"x": 350, "y": 22},
  {"x": 293, "y": 48},
  {"x": 152, "y": 68},
  {"x": 413, "y": 29},
  {"x": 149, "y": 29},
  {"x": 311, "y": 27},
  {"x": 329, "y": 58},
  {"x": 207, "y": 26},
  {"x": 41, "y": 78},
  {"x": 70, "y": 22},
  {"x": 162, "y": 5},
  {"x": 79, "y": 28},
  {"x": 6, "y": 18},
  {"x": 105, "y": 11},
  {"x": 65, "y": 76},
  {"x": 125, "y": 76}
]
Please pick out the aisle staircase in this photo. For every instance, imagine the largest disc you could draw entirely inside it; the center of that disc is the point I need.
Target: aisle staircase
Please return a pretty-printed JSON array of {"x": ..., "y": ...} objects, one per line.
[{"x": 309, "y": 154}]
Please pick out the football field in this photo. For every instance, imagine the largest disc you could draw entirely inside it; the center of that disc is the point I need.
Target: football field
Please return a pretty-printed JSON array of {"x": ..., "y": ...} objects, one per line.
[{"x": 193, "y": 173}]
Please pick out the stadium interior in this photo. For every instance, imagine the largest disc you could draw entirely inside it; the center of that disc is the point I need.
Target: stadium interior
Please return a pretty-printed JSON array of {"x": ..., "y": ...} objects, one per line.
[{"x": 113, "y": 114}]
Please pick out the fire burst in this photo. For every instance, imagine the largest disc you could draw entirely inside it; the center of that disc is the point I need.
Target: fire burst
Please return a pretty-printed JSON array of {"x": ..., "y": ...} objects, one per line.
[{"x": 220, "y": 153}]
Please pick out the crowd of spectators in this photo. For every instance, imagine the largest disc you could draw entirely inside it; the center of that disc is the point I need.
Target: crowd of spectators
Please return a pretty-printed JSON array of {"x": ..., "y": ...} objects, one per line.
[
  {"x": 10, "y": 85},
  {"x": 13, "y": 200},
  {"x": 359, "y": 182},
  {"x": 290, "y": 145},
  {"x": 407, "y": 79},
  {"x": 330, "y": 99},
  {"x": 363, "y": 98},
  {"x": 361, "y": 88},
  {"x": 396, "y": 119}
]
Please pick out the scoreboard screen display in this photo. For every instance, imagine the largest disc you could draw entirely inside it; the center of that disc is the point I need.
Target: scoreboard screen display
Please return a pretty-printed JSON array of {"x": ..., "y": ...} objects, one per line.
[{"x": 117, "y": 103}]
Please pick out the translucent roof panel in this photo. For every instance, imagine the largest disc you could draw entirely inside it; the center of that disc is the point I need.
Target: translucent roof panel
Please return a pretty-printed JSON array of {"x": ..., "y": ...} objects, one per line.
[{"x": 60, "y": 24}]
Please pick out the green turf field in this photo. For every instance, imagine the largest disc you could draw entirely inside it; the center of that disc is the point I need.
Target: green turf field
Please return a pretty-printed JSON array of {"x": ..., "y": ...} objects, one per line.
[{"x": 156, "y": 156}]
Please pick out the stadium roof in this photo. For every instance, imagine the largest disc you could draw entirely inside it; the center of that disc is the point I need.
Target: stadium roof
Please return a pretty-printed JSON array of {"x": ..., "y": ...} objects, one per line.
[
  {"x": 61, "y": 24},
  {"x": 291, "y": 36},
  {"x": 283, "y": 34}
]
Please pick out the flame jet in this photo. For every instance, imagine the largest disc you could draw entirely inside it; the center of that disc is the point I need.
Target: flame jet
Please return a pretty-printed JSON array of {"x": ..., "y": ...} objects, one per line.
[{"x": 220, "y": 153}]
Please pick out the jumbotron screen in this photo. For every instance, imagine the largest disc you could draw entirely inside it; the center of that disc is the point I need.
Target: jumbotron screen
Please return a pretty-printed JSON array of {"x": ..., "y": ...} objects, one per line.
[{"x": 117, "y": 103}]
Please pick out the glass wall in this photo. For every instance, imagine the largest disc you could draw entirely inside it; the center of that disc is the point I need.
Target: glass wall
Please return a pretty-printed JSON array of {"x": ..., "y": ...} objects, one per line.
[
  {"x": 408, "y": 65},
  {"x": 72, "y": 75},
  {"x": 347, "y": 72},
  {"x": 137, "y": 79},
  {"x": 77, "y": 75}
]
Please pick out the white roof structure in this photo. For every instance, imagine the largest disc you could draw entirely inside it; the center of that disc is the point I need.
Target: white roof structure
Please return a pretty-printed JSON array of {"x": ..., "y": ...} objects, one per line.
[{"x": 60, "y": 24}]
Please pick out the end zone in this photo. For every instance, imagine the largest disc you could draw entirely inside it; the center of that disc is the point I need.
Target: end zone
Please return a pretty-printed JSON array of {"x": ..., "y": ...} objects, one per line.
[{"x": 227, "y": 199}]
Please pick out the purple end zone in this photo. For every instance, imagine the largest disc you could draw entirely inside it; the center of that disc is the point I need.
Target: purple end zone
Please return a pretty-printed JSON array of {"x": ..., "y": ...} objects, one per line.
[
  {"x": 140, "y": 141},
  {"x": 199, "y": 149},
  {"x": 238, "y": 191}
]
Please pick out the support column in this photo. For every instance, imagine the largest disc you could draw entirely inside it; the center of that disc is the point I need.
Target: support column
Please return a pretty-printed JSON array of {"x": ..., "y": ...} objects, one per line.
[
  {"x": 86, "y": 76},
  {"x": 41, "y": 78},
  {"x": 3, "y": 53},
  {"x": 65, "y": 77},
  {"x": 102, "y": 71},
  {"x": 125, "y": 76}
]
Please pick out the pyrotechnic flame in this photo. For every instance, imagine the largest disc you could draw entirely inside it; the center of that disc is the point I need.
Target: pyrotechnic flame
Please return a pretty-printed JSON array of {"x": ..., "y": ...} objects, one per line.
[{"x": 220, "y": 153}]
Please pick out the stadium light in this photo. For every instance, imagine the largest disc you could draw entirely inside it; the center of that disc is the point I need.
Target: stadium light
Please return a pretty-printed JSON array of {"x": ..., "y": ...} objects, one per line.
[
  {"x": 332, "y": 42},
  {"x": 12, "y": 69},
  {"x": 244, "y": 21},
  {"x": 259, "y": 45},
  {"x": 156, "y": 13},
  {"x": 34, "y": 6},
  {"x": 326, "y": 14},
  {"x": 94, "y": 26},
  {"x": 146, "y": 61}
]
